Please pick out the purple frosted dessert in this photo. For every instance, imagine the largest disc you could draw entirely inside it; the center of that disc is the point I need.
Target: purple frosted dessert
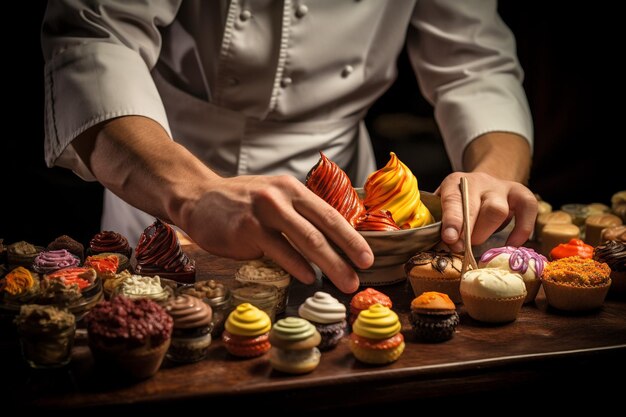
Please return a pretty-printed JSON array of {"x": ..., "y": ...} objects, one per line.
[{"x": 50, "y": 261}]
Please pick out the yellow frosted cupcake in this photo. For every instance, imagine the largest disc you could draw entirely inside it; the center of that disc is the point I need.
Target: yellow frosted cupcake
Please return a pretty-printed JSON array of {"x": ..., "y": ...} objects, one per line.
[
  {"x": 294, "y": 343},
  {"x": 246, "y": 332},
  {"x": 376, "y": 337}
]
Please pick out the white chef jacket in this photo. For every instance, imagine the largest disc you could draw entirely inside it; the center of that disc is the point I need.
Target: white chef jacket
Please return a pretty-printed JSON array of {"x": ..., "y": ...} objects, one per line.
[{"x": 261, "y": 86}]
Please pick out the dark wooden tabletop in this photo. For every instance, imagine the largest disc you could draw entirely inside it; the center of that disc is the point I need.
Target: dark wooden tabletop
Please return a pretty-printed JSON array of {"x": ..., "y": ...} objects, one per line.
[{"x": 540, "y": 348}]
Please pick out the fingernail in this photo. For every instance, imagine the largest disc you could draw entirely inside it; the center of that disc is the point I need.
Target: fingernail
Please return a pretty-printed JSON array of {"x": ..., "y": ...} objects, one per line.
[
  {"x": 450, "y": 235},
  {"x": 365, "y": 259}
]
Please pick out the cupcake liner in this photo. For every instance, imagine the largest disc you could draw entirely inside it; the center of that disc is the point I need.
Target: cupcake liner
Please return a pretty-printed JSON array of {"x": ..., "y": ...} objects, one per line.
[
  {"x": 532, "y": 288},
  {"x": 433, "y": 328},
  {"x": 376, "y": 357},
  {"x": 446, "y": 286},
  {"x": 139, "y": 363},
  {"x": 493, "y": 310},
  {"x": 575, "y": 297}
]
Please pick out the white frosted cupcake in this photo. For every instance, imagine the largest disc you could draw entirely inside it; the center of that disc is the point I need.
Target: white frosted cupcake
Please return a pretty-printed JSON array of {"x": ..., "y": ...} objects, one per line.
[
  {"x": 328, "y": 316},
  {"x": 492, "y": 295}
]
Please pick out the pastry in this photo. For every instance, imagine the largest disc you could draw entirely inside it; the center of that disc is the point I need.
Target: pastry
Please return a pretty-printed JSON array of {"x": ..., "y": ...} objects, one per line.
[
  {"x": 555, "y": 234},
  {"x": 22, "y": 253},
  {"x": 575, "y": 247},
  {"x": 579, "y": 212},
  {"x": 83, "y": 277},
  {"x": 394, "y": 188},
  {"x": 598, "y": 208},
  {"x": 191, "y": 336},
  {"x": 137, "y": 286},
  {"x": 266, "y": 272},
  {"x": 554, "y": 217},
  {"x": 69, "y": 244},
  {"x": 614, "y": 233},
  {"x": 129, "y": 336},
  {"x": 525, "y": 261},
  {"x": 109, "y": 241},
  {"x": 377, "y": 221},
  {"x": 19, "y": 286},
  {"x": 433, "y": 317},
  {"x": 618, "y": 204},
  {"x": 575, "y": 283},
  {"x": 246, "y": 333},
  {"x": 105, "y": 264},
  {"x": 376, "y": 337},
  {"x": 159, "y": 253},
  {"x": 215, "y": 294},
  {"x": 49, "y": 261},
  {"x": 328, "y": 316},
  {"x": 294, "y": 346},
  {"x": 492, "y": 295},
  {"x": 435, "y": 270},
  {"x": 613, "y": 253},
  {"x": 363, "y": 299},
  {"x": 46, "y": 335},
  {"x": 596, "y": 223}
]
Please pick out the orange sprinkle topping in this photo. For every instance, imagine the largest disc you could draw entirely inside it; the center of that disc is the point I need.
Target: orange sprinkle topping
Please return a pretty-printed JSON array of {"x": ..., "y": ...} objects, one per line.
[{"x": 577, "y": 270}]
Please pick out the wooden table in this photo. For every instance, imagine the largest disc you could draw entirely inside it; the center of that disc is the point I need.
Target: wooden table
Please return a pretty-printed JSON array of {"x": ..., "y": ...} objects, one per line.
[{"x": 541, "y": 350}]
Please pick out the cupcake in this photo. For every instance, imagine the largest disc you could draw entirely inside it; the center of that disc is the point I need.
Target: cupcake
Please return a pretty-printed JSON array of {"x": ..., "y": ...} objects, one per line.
[
  {"x": 191, "y": 336},
  {"x": 575, "y": 247},
  {"x": 576, "y": 284},
  {"x": 598, "y": 208},
  {"x": 19, "y": 286},
  {"x": 435, "y": 270},
  {"x": 555, "y": 234},
  {"x": 77, "y": 289},
  {"x": 328, "y": 316},
  {"x": 72, "y": 246},
  {"x": 46, "y": 335},
  {"x": 266, "y": 272},
  {"x": 433, "y": 317},
  {"x": 364, "y": 299},
  {"x": 579, "y": 212},
  {"x": 542, "y": 205},
  {"x": 376, "y": 337},
  {"x": 137, "y": 286},
  {"x": 618, "y": 204},
  {"x": 129, "y": 336},
  {"x": 492, "y": 295},
  {"x": 49, "y": 261},
  {"x": 294, "y": 346},
  {"x": 109, "y": 241},
  {"x": 613, "y": 253},
  {"x": 594, "y": 225},
  {"x": 553, "y": 217},
  {"x": 246, "y": 331},
  {"x": 159, "y": 253},
  {"x": 105, "y": 265},
  {"x": 525, "y": 261},
  {"x": 83, "y": 277},
  {"x": 215, "y": 294},
  {"x": 22, "y": 253},
  {"x": 617, "y": 233}
]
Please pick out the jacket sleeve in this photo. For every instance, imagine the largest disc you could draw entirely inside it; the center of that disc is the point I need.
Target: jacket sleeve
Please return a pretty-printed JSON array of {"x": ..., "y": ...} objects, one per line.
[
  {"x": 98, "y": 56},
  {"x": 465, "y": 60}
]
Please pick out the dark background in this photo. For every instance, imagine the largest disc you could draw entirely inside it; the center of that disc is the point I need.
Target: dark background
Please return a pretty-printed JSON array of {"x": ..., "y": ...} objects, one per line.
[{"x": 573, "y": 81}]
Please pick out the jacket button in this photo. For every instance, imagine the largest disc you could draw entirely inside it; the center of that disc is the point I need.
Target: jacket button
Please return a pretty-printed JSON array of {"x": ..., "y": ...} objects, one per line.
[
  {"x": 301, "y": 11},
  {"x": 347, "y": 70},
  {"x": 245, "y": 15},
  {"x": 285, "y": 82}
]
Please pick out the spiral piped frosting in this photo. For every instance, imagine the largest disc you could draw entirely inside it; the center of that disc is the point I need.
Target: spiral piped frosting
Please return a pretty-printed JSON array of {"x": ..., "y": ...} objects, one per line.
[
  {"x": 293, "y": 329},
  {"x": 159, "y": 250},
  {"x": 247, "y": 320},
  {"x": 189, "y": 312},
  {"x": 377, "y": 322},
  {"x": 322, "y": 308},
  {"x": 525, "y": 261},
  {"x": 377, "y": 221},
  {"x": 109, "y": 241},
  {"x": 52, "y": 260}
]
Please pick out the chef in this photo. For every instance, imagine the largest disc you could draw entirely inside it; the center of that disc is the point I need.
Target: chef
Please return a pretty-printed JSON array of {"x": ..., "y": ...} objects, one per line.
[{"x": 209, "y": 114}]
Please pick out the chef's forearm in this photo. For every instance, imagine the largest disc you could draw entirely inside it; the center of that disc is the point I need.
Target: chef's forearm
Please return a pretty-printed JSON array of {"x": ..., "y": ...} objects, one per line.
[
  {"x": 133, "y": 157},
  {"x": 503, "y": 155}
]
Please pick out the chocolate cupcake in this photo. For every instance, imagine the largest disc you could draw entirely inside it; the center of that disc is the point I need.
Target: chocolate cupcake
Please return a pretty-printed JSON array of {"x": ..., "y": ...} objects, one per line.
[
  {"x": 617, "y": 233},
  {"x": 108, "y": 241},
  {"x": 69, "y": 244},
  {"x": 433, "y": 317},
  {"x": 613, "y": 253},
  {"x": 192, "y": 328}
]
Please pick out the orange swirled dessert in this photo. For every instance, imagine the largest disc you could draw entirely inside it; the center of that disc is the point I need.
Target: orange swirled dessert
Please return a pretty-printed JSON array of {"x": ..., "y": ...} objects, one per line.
[
  {"x": 376, "y": 336},
  {"x": 394, "y": 188},
  {"x": 331, "y": 183},
  {"x": 246, "y": 331},
  {"x": 19, "y": 285},
  {"x": 377, "y": 221}
]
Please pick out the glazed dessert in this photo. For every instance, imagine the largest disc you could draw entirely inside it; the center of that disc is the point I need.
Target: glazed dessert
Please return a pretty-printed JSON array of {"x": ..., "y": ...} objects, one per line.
[
  {"x": 49, "y": 261},
  {"x": 72, "y": 246},
  {"x": 618, "y": 204},
  {"x": 294, "y": 346},
  {"x": 614, "y": 233},
  {"x": 555, "y": 234},
  {"x": 159, "y": 253},
  {"x": 215, "y": 294},
  {"x": 554, "y": 217},
  {"x": 22, "y": 253},
  {"x": 492, "y": 295},
  {"x": 46, "y": 335},
  {"x": 376, "y": 337},
  {"x": 266, "y": 272},
  {"x": 377, "y": 221},
  {"x": 576, "y": 284},
  {"x": 613, "y": 253},
  {"x": 394, "y": 188},
  {"x": 331, "y": 184},
  {"x": 575, "y": 247},
  {"x": 246, "y": 333},
  {"x": 328, "y": 316},
  {"x": 109, "y": 241},
  {"x": 594, "y": 225},
  {"x": 129, "y": 336},
  {"x": 435, "y": 270},
  {"x": 433, "y": 317},
  {"x": 525, "y": 261},
  {"x": 137, "y": 286},
  {"x": 191, "y": 336},
  {"x": 366, "y": 298},
  {"x": 105, "y": 265},
  {"x": 19, "y": 286}
]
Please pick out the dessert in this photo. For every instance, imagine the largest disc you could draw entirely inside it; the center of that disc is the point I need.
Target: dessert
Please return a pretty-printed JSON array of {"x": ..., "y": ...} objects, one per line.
[
  {"x": 525, "y": 261},
  {"x": 159, "y": 253},
  {"x": 129, "y": 336},
  {"x": 137, "y": 286},
  {"x": 331, "y": 183},
  {"x": 433, "y": 317},
  {"x": 215, "y": 294},
  {"x": 328, "y": 316},
  {"x": 105, "y": 265},
  {"x": 109, "y": 241},
  {"x": 554, "y": 217},
  {"x": 46, "y": 335},
  {"x": 576, "y": 284},
  {"x": 618, "y": 204},
  {"x": 579, "y": 212},
  {"x": 394, "y": 188},
  {"x": 72, "y": 246},
  {"x": 613, "y": 253},
  {"x": 22, "y": 253},
  {"x": 191, "y": 336},
  {"x": 598, "y": 208},
  {"x": 492, "y": 295},
  {"x": 376, "y": 337},
  {"x": 78, "y": 289},
  {"x": 377, "y": 221},
  {"x": 49, "y": 261},
  {"x": 19, "y": 286},
  {"x": 555, "y": 234},
  {"x": 83, "y": 277},
  {"x": 575, "y": 247},
  {"x": 594, "y": 225},
  {"x": 364, "y": 299},
  {"x": 294, "y": 346},
  {"x": 246, "y": 333},
  {"x": 614, "y": 233},
  {"x": 435, "y": 270},
  {"x": 266, "y": 272}
]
